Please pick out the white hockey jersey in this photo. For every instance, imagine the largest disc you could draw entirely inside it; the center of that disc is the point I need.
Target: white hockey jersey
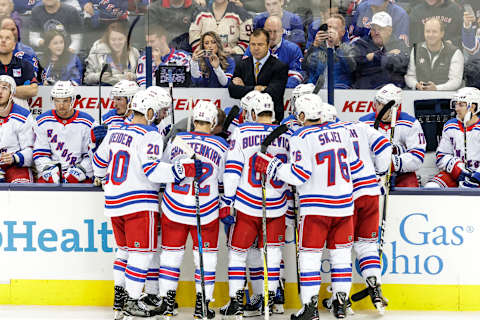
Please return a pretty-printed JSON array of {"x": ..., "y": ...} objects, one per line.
[
  {"x": 17, "y": 136},
  {"x": 178, "y": 202},
  {"x": 375, "y": 151},
  {"x": 409, "y": 135},
  {"x": 111, "y": 117},
  {"x": 242, "y": 184},
  {"x": 323, "y": 165},
  {"x": 292, "y": 122},
  {"x": 452, "y": 145},
  {"x": 130, "y": 160},
  {"x": 63, "y": 140}
]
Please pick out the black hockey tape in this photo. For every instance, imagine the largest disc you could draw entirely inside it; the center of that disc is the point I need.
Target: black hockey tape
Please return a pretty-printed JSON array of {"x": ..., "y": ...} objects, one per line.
[
  {"x": 229, "y": 119},
  {"x": 272, "y": 136},
  {"x": 382, "y": 112}
]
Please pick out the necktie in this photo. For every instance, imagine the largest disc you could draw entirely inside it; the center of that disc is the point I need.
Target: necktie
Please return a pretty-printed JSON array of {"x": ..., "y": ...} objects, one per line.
[{"x": 257, "y": 69}]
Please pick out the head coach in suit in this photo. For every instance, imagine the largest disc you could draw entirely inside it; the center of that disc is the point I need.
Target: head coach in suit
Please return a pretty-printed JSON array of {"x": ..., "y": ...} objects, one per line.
[{"x": 262, "y": 72}]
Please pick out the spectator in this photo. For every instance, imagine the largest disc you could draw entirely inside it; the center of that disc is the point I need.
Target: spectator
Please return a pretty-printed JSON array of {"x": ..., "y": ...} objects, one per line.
[
  {"x": 380, "y": 57},
  {"x": 22, "y": 6},
  {"x": 315, "y": 62},
  {"x": 6, "y": 11},
  {"x": 177, "y": 16},
  {"x": 162, "y": 54},
  {"x": 435, "y": 64},
  {"x": 471, "y": 34},
  {"x": 361, "y": 21},
  {"x": 446, "y": 11},
  {"x": 210, "y": 66},
  {"x": 21, "y": 50},
  {"x": 232, "y": 23},
  {"x": 104, "y": 13},
  {"x": 284, "y": 50},
  {"x": 292, "y": 24},
  {"x": 253, "y": 6},
  {"x": 21, "y": 70},
  {"x": 112, "y": 49},
  {"x": 50, "y": 15},
  {"x": 59, "y": 63},
  {"x": 17, "y": 136},
  {"x": 261, "y": 72}
]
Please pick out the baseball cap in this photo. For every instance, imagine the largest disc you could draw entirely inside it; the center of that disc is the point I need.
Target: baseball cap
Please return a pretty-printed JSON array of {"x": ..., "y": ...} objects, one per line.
[
  {"x": 376, "y": 2},
  {"x": 382, "y": 19}
]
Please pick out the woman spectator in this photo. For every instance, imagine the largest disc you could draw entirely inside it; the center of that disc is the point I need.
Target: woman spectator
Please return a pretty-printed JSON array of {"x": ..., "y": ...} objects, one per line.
[
  {"x": 210, "y": 66},
  {"x": 112, "y": 49},
  {"x": 59, "y": 63}
]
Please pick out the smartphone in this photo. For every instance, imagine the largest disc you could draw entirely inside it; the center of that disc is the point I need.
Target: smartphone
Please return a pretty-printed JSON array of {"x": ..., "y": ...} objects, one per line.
[
  {"x": 208, "y": 53},
  {"x": 323, "y": 27},
  {"x": 468, "y": 8}
]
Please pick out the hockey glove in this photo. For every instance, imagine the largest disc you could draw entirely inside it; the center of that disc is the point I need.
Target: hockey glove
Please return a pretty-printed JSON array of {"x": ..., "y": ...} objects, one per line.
[
  {"x": 267, "y": 164},
  {"x": 398, "y": 149},
  {"x": 198, "y": 169},
  {"x": 50, "y": 174},
  {"x": 180, "y": 167},
  {"x": 468, "y": 182},
  {"x": 396, "y": 163},
  {"x": 98, "y": 133},
  {"x": 75, "y": 174},
  {"x": 193, "y": 169},
  {"x": 226, "y": 218}
]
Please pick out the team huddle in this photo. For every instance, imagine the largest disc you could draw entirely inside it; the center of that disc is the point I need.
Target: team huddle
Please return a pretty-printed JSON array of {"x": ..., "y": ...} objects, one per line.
[{"x": 317, "y": 174}]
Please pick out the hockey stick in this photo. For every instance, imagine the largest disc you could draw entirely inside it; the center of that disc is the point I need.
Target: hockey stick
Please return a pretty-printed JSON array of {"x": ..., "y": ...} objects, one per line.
[
  {"x": 364, "y": 293},
  {"x": 170, "y": 90},
  {"x": 232, "y": 114},
  {"x": 382, "y": 112},
  {"x": 263, "y": 148},
  {"x": 295, "y": 234},
  {"x": 102, "y": 72}
]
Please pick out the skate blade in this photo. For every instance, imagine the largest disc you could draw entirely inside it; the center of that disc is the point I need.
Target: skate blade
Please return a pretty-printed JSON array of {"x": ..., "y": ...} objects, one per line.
[
  {"x": 233, "y": 317},
  {"x": 248, "y": 314},
  {"x": 350, "y": 311},
  {"x": 380, "y": 308},
  {"x": 118, "y": 315},
  {"x": 278, "y": 309}
]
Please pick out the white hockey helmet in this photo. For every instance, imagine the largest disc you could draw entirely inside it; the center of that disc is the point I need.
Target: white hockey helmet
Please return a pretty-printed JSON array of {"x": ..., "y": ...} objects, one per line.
[
  {"x": 470, "y": 96},
  {"x": 64, "y": 89},
  {"x": 329, "y": 113},
  {"x": 246, "y": 103},
  {"x": 11, "y": 82},
  {"x": 142, "y": 102},
  {"x": 311, "y": 106},
  {"x": 263, "y": 103},
  {"x": 205, "y": 111},
  {"x": 161, "y": 96},
  {"x": 297, "y": 92},
  {"x": 125, "y": 88},
  {"x": 388, "y": 93}
]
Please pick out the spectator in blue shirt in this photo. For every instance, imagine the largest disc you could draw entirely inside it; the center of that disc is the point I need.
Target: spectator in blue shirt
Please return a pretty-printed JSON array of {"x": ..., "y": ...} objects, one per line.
[
  {"x": 380, "y": 57},
  {"x": 315, "y": 62},
  {"x": 101, "y": 13},
  {"x": 292, "y": 23},
  {"x": 21, "y": 6},
  {"x": 210, "y": 66},
  {"x": 59, "y": 63},
  {"x": 471, "y": 34},
  {"x": 362, "y": 18}
]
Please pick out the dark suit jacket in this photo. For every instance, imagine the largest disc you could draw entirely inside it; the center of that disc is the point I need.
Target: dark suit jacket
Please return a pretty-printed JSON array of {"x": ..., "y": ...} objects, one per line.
[{"x": 274, "y": 75}]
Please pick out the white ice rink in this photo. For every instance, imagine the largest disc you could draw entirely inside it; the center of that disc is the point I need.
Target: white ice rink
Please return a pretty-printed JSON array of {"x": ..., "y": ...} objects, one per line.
[{"x": 101, "y": 313}]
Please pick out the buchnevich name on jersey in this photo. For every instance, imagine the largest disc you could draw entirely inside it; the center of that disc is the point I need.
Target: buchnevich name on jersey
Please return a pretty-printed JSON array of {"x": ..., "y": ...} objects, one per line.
[
  {"x": 121, "y": 138},
  {"x": 257, "y": 140},
  {"x": 328, "y": 137}
]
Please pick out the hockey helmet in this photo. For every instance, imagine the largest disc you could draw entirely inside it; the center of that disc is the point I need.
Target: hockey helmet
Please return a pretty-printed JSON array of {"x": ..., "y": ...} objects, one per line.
[
  {"x": 470, "y": 96},
  {"x": 161, "y": 96},
  {"x": 64, "y": 89},
  {"x": 329, "y": 113},
  {"x": 263, "y": 103},
  {"x": 297, "y": 92},
  {"x": 388, "y": 93},
  {"x": 142, "y": 102},
  {"x": 311, "y": 106},
  {"x": 205, "y": 111},
  {"x": 246, "y": 103}
]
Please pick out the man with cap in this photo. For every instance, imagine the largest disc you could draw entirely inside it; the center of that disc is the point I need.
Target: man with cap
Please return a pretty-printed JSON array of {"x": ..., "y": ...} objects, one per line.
[
  {"x": 362, "y": 19},
  {"x": 381, "y": 58}
]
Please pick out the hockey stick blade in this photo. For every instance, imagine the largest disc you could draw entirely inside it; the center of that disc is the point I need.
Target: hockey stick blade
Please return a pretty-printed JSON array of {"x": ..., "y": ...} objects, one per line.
[
  {"x": 272, "y": 136},
  {"x": 360, "y": 295},
  {"x": 180, "y": 143},
  {"x": 382, "y": 112},
  {"x": 229, "y": 119}
]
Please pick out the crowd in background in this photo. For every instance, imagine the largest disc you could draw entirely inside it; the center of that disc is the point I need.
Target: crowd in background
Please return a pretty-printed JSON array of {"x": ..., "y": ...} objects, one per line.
[{"x": 419, "y": 45}]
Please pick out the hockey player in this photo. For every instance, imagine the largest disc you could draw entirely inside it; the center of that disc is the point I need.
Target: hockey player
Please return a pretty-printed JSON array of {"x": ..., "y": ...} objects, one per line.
[
  {"x": 129, "y": 161},
  {"x": 375, "y": 151},
  {"x": 244, "y": 114},
  {"x": 16, "y": 132},
  {"x": 323, "y": 166},
  {"x": 62, "y": 140},
  {"x": 122, "y": 94},
  {"x": 291, "y": 121},
  {"x": 458, "y": 153},
  {"x": 408, "y": 149},
  {"x": 179, "y": 211},
  {"x": 243, "y": 190}
]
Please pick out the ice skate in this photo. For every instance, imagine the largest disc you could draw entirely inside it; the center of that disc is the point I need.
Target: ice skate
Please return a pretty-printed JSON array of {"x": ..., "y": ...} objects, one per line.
[
  {"x": 198, "y": 313},
  {"x": 375, "y": 292},
  {"x": 120, "y": 298},
  {"x": 234, "y": 308},
  {"x": 309, "y": 311},
  {"x": 136, "y": 309}
]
